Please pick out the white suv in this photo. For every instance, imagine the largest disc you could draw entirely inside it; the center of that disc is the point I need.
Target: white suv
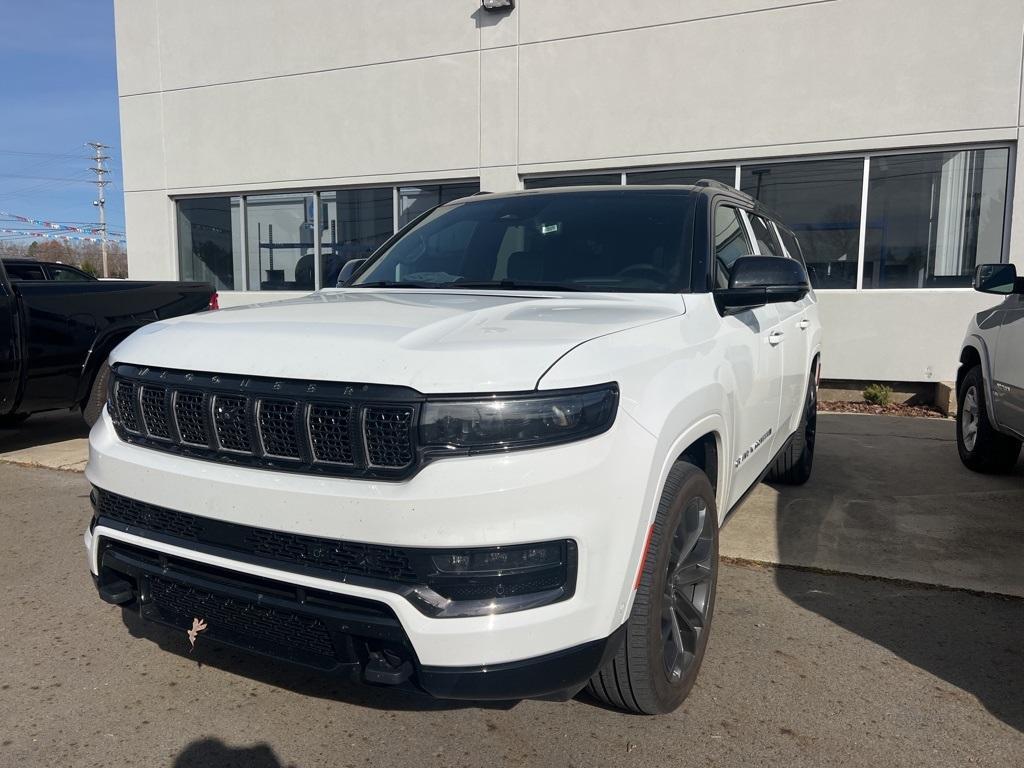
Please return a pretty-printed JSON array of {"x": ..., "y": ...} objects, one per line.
[
  {"x": 990, "y": 381},
  {"x": 493, "y": 466}
]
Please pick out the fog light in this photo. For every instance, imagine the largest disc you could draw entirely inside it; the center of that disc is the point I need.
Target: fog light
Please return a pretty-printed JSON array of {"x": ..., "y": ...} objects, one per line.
[
  {"x": 546, "y": 568},
  {"x": 500, "y": 560}
]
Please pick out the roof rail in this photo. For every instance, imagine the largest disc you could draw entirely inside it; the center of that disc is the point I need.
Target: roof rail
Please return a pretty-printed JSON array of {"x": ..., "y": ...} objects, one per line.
[{"x": 714, "y": 183}]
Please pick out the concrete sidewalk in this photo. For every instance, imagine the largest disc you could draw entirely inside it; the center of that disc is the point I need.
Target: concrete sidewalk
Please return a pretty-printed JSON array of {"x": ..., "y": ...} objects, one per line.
[
  {"x": 54, "y": 440},
  {"x": 890, "y": 498}
]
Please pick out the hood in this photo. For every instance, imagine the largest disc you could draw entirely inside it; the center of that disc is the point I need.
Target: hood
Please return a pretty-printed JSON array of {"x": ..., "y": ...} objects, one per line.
[{"x": 432, "y": 341}]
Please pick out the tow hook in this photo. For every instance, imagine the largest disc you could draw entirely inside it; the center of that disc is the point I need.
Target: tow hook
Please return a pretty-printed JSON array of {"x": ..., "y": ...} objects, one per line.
[{"x": 387, "y": 668}]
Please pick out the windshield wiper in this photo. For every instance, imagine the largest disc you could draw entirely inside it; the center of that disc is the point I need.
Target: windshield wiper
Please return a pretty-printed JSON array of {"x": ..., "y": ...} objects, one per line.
[{"x": 513, "y": 284}]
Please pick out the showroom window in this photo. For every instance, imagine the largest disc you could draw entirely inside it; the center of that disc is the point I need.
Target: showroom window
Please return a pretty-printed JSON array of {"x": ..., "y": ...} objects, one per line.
[
  {"x": 269, "y": 242},
  {"x": 412, "y": 201},
  {"x": 726, "y": 175},
  {"x": 209, "y": 241},
  {"x": 353, "y": 224},
  {"x": 932, "y": 216},
  {"x": 820, "y": 201},
  {"x": 579, "y": 180}
]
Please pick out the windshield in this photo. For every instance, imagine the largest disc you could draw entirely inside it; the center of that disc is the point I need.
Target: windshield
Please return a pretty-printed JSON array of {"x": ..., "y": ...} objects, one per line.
[{"x": 587, "y": 241}]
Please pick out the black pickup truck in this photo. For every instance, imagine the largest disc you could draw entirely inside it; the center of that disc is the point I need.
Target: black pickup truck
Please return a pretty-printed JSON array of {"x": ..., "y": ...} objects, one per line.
[{"x": 55, "y": 335}]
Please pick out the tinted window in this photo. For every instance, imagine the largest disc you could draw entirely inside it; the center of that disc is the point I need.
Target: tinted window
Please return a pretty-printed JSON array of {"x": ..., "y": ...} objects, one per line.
[
  {"x": 791, "y": 245},
  {"x": 412, "y": 201},
  {"x": 629, "y": 241},
  {"x": 210, "y": 241},
  {"x": 24, "y": 272},
  {"x": 933, "y": 216},
  {"x": 821, "y": 201},
  {"x": 683, "y": 176},
  {"x": 66, "y": 274},
  {"x": 766, "y": 242},
  {"x": 730, "y": 243},
  {"x": 573, "y": 181}
]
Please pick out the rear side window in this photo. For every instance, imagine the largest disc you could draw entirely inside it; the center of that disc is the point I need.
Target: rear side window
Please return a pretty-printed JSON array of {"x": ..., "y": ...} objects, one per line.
[
  {"x": 766, "y": 242},
  {"x": 791, "y": 244},
  {"x": 25, "y": 272},
  {"x": 65, "y": 274},
  {"x": 730, "y": 243}
]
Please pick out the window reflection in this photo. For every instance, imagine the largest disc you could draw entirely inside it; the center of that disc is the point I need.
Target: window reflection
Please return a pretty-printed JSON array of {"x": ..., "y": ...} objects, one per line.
[
  {"x": 579, "y": 180},
  {"x": 280, "y": 241},
  {"x": 726, "y": 175},
  {"x": 820, "y": 201},
  {"x": 209, "y": 241},
  {"x": 933, "y": 216},
  {"x": 353, "y": 224},
  {"x": 412, "y": 201}
]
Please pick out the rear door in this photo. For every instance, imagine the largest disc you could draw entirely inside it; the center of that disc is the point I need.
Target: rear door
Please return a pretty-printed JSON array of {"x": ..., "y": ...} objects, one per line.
[
  {"x": 788, "y": 336},
  {"x": 10, "y": 355},
  {"x": 1008, "y": 367},
  {"x": 753, "y": 357}
]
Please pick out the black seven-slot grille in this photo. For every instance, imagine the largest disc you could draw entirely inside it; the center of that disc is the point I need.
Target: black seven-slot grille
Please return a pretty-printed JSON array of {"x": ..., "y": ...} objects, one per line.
[{"x": 357, "y": 430}]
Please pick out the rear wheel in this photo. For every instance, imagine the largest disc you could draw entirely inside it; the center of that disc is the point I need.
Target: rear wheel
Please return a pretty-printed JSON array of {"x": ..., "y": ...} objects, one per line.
[
  {"x": 981, "y": 447},
  {"x": 93, "y": 407},
  {"x": 667, "y": 630},
  {"x": 793, "y": 465}
]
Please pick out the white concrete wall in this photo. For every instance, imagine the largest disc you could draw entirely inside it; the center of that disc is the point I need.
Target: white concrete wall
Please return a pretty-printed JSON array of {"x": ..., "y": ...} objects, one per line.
[{"x": 260, "y": 95}]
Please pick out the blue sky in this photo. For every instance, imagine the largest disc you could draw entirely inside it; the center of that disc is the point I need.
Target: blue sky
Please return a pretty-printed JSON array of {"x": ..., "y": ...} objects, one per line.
[{"x": 59, "y": 91}]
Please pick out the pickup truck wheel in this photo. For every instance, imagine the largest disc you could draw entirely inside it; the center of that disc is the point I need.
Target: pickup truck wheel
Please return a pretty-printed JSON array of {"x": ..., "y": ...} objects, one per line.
[
  {"x": 793, "y": 465},
  {"x": 667, "y": 631},
  {"x": 93, "y": 406},
  {"x": 981, "y": 447},
  {"x": 12, "y": 420}
]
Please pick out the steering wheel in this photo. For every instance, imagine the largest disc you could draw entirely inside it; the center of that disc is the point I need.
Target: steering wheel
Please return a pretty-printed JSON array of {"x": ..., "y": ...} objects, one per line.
[{"x": 645, "y": 272}]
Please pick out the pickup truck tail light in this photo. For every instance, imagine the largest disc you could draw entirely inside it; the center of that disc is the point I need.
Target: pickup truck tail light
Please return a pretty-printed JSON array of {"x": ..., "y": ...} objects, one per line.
[{"x": 214, "y": 301}]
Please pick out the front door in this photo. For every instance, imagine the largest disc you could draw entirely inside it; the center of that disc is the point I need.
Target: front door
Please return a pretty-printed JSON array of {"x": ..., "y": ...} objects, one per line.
[
  {"x": 755, "y": 363},
  {"x": 1008, "y": 367}
]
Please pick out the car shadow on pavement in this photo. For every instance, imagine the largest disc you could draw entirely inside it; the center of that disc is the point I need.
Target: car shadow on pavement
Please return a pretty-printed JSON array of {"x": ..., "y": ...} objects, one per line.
[
  {"x": 969, "y": 640},
  {"x": 43, "y": 429},
  {"x": 213, "y": 753},
  {"x": 293, "y": 677}
]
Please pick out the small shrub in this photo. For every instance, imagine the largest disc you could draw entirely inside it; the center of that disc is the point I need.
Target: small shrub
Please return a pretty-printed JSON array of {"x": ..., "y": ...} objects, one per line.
[{"x": 877, "y": 394}]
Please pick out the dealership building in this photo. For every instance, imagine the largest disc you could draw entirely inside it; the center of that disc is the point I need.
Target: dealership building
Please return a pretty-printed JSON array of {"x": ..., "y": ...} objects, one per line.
[{"x": 264, "y": 143}]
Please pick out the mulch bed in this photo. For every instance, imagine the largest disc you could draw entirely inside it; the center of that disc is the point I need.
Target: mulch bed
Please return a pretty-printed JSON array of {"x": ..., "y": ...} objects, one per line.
[{"x": 893, "y": 409}]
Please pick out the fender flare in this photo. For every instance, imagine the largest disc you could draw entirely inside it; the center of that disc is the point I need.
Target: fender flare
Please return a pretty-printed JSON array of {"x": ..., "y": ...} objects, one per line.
[
  {"x": 977, "y": 343},
  {"x": 711, "y": 423}
]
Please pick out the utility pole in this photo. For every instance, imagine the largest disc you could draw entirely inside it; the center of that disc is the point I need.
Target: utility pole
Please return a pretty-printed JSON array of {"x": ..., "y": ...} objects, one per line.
[{"x": 101, "y": 181}]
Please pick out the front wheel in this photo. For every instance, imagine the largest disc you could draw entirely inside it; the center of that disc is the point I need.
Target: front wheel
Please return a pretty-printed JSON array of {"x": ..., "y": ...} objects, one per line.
[
  {"x": 667, "y": 631},
  {"x": 981, "y": 447}
]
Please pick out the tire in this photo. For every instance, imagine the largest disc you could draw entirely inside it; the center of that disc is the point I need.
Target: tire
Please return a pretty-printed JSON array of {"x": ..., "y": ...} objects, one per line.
[
  {"x": 981, "y": 447},
  {"x": 793, "y": 465},
  {"x": 93, "y": 406},
  {"x": 12, "y": 420},
  {"x": 655, "y": 667}
]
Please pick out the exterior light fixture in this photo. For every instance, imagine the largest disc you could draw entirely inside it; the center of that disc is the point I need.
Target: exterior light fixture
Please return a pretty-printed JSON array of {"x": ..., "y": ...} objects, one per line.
[{"x": 498, "y": 5}]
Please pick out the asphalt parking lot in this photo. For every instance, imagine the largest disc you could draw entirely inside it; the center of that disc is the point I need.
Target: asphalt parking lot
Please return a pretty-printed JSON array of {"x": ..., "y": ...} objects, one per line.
[{"x": 803, "y": 669}]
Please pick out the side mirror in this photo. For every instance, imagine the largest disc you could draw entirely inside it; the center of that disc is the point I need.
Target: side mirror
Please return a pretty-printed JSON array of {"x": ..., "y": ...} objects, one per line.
[
  {"x": 1000, "y": 279},
  {"x": 759, "y": 280},
  {"x": 347, "y": 270}
]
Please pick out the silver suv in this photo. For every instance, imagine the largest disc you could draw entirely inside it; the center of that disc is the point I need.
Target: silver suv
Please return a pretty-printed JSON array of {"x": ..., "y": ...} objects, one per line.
[{"x": 990, "y": 382}]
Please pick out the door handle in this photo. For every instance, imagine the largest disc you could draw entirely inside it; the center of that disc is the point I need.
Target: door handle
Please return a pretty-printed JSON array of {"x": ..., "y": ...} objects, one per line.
[
  {"x": 775, "y": 338},
  {"x": 802, "y": 325}
]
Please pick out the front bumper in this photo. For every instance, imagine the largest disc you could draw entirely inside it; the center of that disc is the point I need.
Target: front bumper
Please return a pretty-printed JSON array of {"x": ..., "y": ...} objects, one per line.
[{"x": 592, "y": 493}]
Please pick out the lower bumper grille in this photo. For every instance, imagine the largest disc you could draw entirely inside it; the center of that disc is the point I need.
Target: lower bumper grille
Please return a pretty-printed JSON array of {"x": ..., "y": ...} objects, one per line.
[{"x": 280, "y": 633}]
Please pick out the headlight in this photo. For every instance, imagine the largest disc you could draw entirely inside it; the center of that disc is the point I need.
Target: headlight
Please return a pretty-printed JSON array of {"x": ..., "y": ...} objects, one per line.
[{"x": 505, "y": 422}]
